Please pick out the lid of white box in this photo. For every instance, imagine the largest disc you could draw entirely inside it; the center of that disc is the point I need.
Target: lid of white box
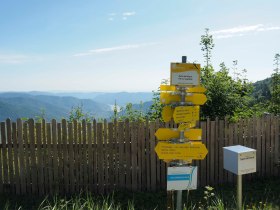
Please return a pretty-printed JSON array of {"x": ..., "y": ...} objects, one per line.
[{"x": 239, "y": 149}]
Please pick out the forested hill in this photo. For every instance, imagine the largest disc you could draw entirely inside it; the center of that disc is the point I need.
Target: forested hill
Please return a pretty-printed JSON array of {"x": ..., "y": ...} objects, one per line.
[
  {"x": 23, "y": 105},
  {"x": 262, "y": 90}
]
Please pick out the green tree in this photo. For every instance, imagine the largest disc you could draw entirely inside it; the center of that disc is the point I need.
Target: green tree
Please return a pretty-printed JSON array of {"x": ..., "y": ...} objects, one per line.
[
  {"x": 77, "y": 113},
  {"x": 275, "y": 92},
  {"x": 131, "y": 113},
  {"x": 225, "y": 96},
  {"x": 155, "y": 109},
  {"x": 207, "y": 44},
  {"x": 41, "y": 116}
]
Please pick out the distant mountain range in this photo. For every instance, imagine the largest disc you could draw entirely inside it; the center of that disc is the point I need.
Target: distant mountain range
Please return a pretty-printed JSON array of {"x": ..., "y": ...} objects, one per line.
[{"x": 58, "y": 105}]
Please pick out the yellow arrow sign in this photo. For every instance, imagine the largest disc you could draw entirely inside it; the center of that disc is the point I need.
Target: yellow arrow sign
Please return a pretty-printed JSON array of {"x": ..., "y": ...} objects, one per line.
[
  {"x": 181, "y": 114},
  {"x": 185, "y": 151},
  {"x": 186, "y": 114},
  {"x": 167, "y": 113},
  {"x": 166, "y": 134},
  {"x": 196, "y": 89},
  {"x": 195, "y": 98}
]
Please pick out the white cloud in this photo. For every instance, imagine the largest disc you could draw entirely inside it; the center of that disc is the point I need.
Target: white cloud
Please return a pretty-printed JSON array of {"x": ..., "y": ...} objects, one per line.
[
  {"x": 129, "y": 13},
  {"x": 242, "y": 31},
  {"x": 13, "y": 58},
  {"x": 112, "y": 49},
  {"x": 124, "y": 16}
]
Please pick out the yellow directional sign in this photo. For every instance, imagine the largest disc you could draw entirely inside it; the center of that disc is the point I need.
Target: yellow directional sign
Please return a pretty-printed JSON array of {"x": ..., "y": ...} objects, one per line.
[
  {"x": 167, "y": 113},
  {"x": 186, "y": 114},
  {"x": 195, "y": 98},
  {"x": 166, "y": 134},
  {"x": 181, "y": 114},
  {"x": 187, "y": 151},
  {"x": 185, "y": 74},
  {"x": 196, "y": 89}
]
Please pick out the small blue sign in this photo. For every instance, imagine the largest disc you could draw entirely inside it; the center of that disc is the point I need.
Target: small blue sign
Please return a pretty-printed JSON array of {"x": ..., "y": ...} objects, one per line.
[{"x": 179, "y": 177}]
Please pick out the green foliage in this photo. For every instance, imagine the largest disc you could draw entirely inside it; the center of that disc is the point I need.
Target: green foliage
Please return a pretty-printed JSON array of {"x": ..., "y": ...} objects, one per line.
[
  {"x": 275, "y": 95},
  {"x": 262, "y": 91},
  {"x": 225, "y": 96},
  {"x": 207, "y": 44},
  {"x": 39, "y": 118},
  {"x": 77, "y": 113},
  {"x": 131, "y": 113},
  {"x": 156, "y": 108}
]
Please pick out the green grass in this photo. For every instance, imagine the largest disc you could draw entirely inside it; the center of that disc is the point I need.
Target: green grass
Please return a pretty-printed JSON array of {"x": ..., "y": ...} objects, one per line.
[{"x": 260, "y": 194}]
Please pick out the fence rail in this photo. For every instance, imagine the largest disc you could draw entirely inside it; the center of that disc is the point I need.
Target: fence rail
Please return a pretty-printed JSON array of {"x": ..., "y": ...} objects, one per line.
[{"x": 66, "y": 158}]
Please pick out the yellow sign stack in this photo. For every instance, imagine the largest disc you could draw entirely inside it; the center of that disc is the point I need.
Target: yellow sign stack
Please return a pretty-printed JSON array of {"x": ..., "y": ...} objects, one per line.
[{"x": 182, "y": 99}]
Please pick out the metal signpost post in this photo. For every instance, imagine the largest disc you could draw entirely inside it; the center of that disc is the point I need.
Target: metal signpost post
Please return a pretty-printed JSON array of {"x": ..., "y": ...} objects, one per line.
[{"x": 182, "y": 99}]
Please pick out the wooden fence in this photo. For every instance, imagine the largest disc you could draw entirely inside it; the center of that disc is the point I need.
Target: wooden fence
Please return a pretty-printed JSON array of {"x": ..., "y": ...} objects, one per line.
[{"x": 66, "y": 158}]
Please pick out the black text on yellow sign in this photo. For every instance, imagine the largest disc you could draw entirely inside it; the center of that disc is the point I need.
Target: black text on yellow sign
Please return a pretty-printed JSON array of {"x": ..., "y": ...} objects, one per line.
[
  {"x": 186, "y": 151},
  {"x": 181, "y": 114}
]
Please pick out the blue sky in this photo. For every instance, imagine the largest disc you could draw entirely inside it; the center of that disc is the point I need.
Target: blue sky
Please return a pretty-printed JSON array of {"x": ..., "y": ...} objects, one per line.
[{"x": 127, "y": 45}]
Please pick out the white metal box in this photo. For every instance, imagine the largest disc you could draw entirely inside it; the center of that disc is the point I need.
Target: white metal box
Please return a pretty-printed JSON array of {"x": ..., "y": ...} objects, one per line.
[{"x": 239, "y": 159}]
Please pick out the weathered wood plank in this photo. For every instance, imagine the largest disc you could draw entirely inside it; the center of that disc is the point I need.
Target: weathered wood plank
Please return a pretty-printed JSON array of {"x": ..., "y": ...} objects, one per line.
[
  {"x": 153, "y": 156},
  {"x": 22, "y": 170},
  {"x": 40, "y": 159},
  {"x": 16, "y": 158},
  {"x": 134, "y": 180},
  {"x": 49, "y": 159},
  {"x": 65, "y": 157},
  {"x": 60, "y": 158},
  {"x": 90, "y": 156},
  {"x": 27, "y": 157},
  {"x": 111, "y": 157},
  {"x": 33, "y": 157},
  {"x": 10, "y": 156},
  {"x": 203, "y": 171},
  {"x": 5, "y": 166},
  {"x": 95, "y": 154},
  {"x": 71, "y": 158},
  {"x": 128, "y": 180},
  {"x": 100, "y": 157},
  {"x": 121, "y": 137},
  {"x": 55, "y": 156},
  {"x": 148, "y": 155},
  {"x": 105, "y": 155}
]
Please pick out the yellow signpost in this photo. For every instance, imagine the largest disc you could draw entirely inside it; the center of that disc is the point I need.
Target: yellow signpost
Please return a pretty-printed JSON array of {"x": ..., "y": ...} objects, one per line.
[
  {"x": 166, "y": 134},
  {"x": 195, "y": 89},
  {"x": 182, "y": 97},
  {"x": 194, "y": 98},
  {"x": 186, "y": 151}
]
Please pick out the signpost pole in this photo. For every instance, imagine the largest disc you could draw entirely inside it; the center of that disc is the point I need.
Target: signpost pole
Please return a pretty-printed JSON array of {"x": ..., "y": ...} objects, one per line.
[
  {"x": 181, "y": 139},
  {"x": 239, "y": 192}
]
